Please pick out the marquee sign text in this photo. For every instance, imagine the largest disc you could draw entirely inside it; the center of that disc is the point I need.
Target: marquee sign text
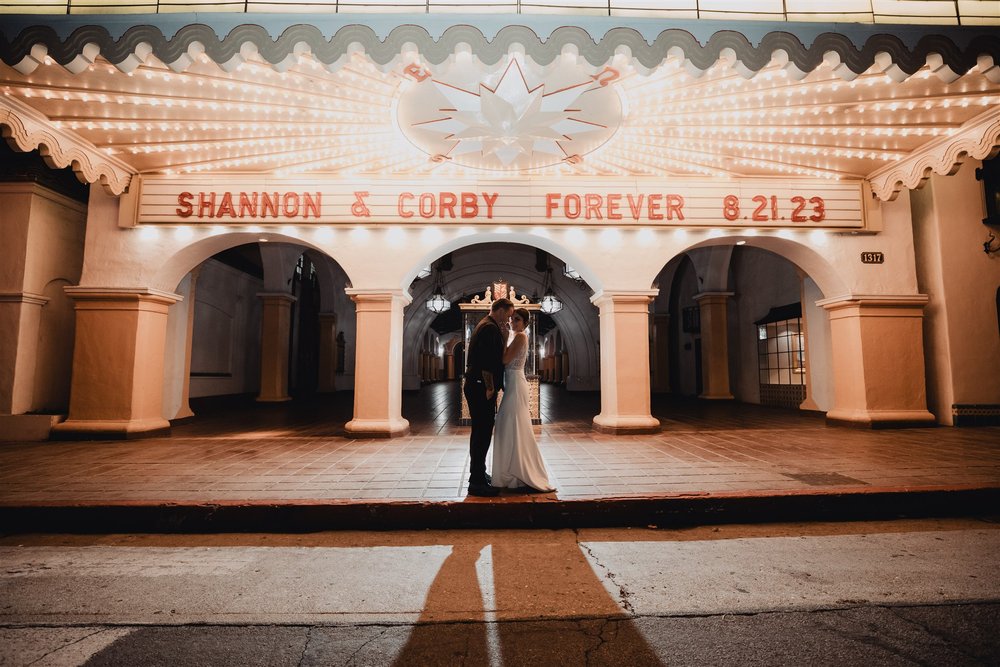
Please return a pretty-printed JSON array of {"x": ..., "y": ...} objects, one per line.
[{"x": 686, "y": 202}]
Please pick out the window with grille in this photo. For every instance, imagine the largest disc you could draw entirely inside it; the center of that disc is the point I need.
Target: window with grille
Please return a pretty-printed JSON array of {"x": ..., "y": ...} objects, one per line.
[
  {"x": 781, "y": 356},
  {"x": 781, "y": 352}
]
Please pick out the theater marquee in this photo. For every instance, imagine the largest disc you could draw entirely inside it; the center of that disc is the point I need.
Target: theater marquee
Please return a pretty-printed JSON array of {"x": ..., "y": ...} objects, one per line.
[{"x": 673, "y": 202}]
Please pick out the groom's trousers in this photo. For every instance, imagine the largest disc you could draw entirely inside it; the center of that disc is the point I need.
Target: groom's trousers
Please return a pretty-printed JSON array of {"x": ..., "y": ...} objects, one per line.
[{"x": 482, "y": 414}]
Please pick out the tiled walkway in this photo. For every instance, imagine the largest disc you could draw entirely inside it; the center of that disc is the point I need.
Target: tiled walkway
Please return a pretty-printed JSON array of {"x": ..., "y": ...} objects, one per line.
[{"x": 258, "y": 453}]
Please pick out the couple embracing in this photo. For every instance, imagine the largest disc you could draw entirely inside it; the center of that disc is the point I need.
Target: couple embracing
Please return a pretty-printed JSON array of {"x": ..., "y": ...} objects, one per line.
[{"x": 495, "y": 361}]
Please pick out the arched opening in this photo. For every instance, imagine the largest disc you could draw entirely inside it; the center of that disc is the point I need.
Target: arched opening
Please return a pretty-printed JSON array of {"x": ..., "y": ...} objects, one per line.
[
  {"x": 740, "y": 321},
  {"x": 565, "y": 345},
  {"x": 260, "y": 322}
]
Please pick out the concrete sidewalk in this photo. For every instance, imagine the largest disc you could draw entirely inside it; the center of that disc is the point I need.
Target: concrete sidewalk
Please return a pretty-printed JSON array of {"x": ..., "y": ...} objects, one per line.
[{"x": 291, "y": 467}]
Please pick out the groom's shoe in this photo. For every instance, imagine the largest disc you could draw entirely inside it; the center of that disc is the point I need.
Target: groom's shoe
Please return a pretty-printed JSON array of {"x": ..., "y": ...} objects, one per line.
[{"x": 483, "y": 490}]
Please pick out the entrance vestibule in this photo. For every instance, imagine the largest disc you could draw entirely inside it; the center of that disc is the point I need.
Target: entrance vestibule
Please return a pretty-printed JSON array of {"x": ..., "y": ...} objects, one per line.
[
  {"x": 237, "y": 332},
  {"x": 714, "y": 305},
  {"x": 437, "y": 340}
]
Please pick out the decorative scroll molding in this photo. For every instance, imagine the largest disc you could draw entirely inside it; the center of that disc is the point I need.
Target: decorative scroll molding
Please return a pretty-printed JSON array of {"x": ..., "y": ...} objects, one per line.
[
  {"x": 26, "y": 50},
  {"x": 979, "y": 138},
  {"x": 25, "y": 129}
]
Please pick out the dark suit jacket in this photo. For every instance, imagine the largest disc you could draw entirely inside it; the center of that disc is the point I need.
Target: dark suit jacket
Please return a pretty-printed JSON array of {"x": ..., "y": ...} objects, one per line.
[{"x": 485, "y": 352}]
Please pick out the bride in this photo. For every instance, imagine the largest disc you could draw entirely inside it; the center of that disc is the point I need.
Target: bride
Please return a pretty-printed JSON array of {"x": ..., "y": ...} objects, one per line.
[{"x": 517, "y": 462}]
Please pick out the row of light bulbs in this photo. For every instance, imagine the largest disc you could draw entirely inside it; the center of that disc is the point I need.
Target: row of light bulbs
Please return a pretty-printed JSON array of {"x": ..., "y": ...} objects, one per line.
[
  {"x": 721, "y": 77},
  {"x": 720, "y": 81}
]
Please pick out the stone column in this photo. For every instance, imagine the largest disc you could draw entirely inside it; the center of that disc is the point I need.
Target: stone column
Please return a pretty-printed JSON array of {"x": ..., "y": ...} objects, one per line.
[
  {"x": 20, "y": 326},
  {"x": 878, "y": 361},
  {"x": 378, "y": 369},
  {"x": 660, "y": 357},
  {"x": 625, "y": 363},
  {"x": 276, "y": 324},
  {"x": 714, "y": 344},
  {"x": 327, "y": 352},
  {"x": 117, "y": 386}
]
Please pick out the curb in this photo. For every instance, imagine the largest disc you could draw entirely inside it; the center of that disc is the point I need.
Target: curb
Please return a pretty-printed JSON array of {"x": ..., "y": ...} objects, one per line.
[{"x": 673, "y": 511}]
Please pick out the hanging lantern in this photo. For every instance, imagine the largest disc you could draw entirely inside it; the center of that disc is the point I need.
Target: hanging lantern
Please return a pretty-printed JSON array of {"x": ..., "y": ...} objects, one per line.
[
  {"x": 438, "y": 303},
  {"x": 549, "y": 303}
]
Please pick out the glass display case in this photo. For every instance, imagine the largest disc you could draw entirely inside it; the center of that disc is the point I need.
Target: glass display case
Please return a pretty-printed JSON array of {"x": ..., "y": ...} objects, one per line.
[{"x": 479, "y": 308}]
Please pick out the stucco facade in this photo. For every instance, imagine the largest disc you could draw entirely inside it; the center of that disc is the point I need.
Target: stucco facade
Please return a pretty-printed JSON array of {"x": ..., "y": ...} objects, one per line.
[{"x": 910, "y": 340}]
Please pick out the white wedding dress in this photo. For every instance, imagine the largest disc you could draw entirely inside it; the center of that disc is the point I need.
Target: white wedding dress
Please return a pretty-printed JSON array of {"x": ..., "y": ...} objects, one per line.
[{"x": 517, "y": 462}]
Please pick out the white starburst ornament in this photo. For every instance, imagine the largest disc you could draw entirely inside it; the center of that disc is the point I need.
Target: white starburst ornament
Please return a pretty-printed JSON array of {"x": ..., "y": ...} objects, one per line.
[{"x": 512, "y": 124}]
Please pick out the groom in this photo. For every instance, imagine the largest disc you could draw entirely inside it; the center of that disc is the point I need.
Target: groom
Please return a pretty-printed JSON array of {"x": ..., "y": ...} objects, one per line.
[{"x": 483, "y": 379}]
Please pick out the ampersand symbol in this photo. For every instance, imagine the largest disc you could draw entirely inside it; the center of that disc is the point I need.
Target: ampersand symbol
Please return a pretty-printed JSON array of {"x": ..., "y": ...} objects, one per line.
[
  {"x": 359, "y": 208},
  {"x": 416, "y": 71}
]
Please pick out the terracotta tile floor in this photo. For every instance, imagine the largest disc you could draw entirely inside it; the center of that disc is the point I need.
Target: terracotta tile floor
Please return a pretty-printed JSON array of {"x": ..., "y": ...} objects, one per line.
[{"x": 237, "y": 450}]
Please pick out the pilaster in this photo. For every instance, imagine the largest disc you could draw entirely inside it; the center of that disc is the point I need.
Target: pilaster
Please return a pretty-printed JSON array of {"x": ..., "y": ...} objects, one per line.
[
  {"x": 878, "y": 361},
  {"x": 20, "y": 314},
  {"x": 327, "y": 352},
  {"x": 275, "y": 328},
  {"x": 714, "y": 344},
  {"x": 660, "y": 354},
  {"x": 117, "y": 385}
]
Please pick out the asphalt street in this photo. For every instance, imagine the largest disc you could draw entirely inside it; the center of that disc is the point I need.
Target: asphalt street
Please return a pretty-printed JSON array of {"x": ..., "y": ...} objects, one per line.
[{"x": 905, "y": 592}]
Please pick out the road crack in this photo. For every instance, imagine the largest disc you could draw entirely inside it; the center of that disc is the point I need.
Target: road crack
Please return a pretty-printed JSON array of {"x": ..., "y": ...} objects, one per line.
[
  {"x": 931, "y": 632},
  {"x": 65, "y": 646},
  {"x": 624, "y": 596},
  {"x": 381, "y": 633},
  {"x": 305, "y": 647}
]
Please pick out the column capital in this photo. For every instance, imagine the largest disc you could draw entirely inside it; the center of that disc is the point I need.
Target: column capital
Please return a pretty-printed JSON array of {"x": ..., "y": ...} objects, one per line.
[
  {"x": 368, "y": 295},
  {"x": 277, "y": 297},
  {"x": 23, "y": 297},
  {"x": 713, "y": 296},
  {"x": 84, "y": 295},
  {"x": 624, "y": 296},
  {"x": 874, "y": 301}
]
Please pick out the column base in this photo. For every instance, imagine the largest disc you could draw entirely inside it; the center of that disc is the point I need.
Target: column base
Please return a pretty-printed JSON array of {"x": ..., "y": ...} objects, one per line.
[
  {"x": 378, "y": 428},
  {"x": 880, "y": 418},
  {"x": 273, "y": 399},
  {"x": 27, "y": 428},
  {"x": 621, "y": 425},
  {"x": 109, "y": 429}
]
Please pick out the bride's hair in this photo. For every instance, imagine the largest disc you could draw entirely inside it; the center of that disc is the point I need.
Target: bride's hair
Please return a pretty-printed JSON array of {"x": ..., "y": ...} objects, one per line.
[{"x": 523, "y": 314}]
